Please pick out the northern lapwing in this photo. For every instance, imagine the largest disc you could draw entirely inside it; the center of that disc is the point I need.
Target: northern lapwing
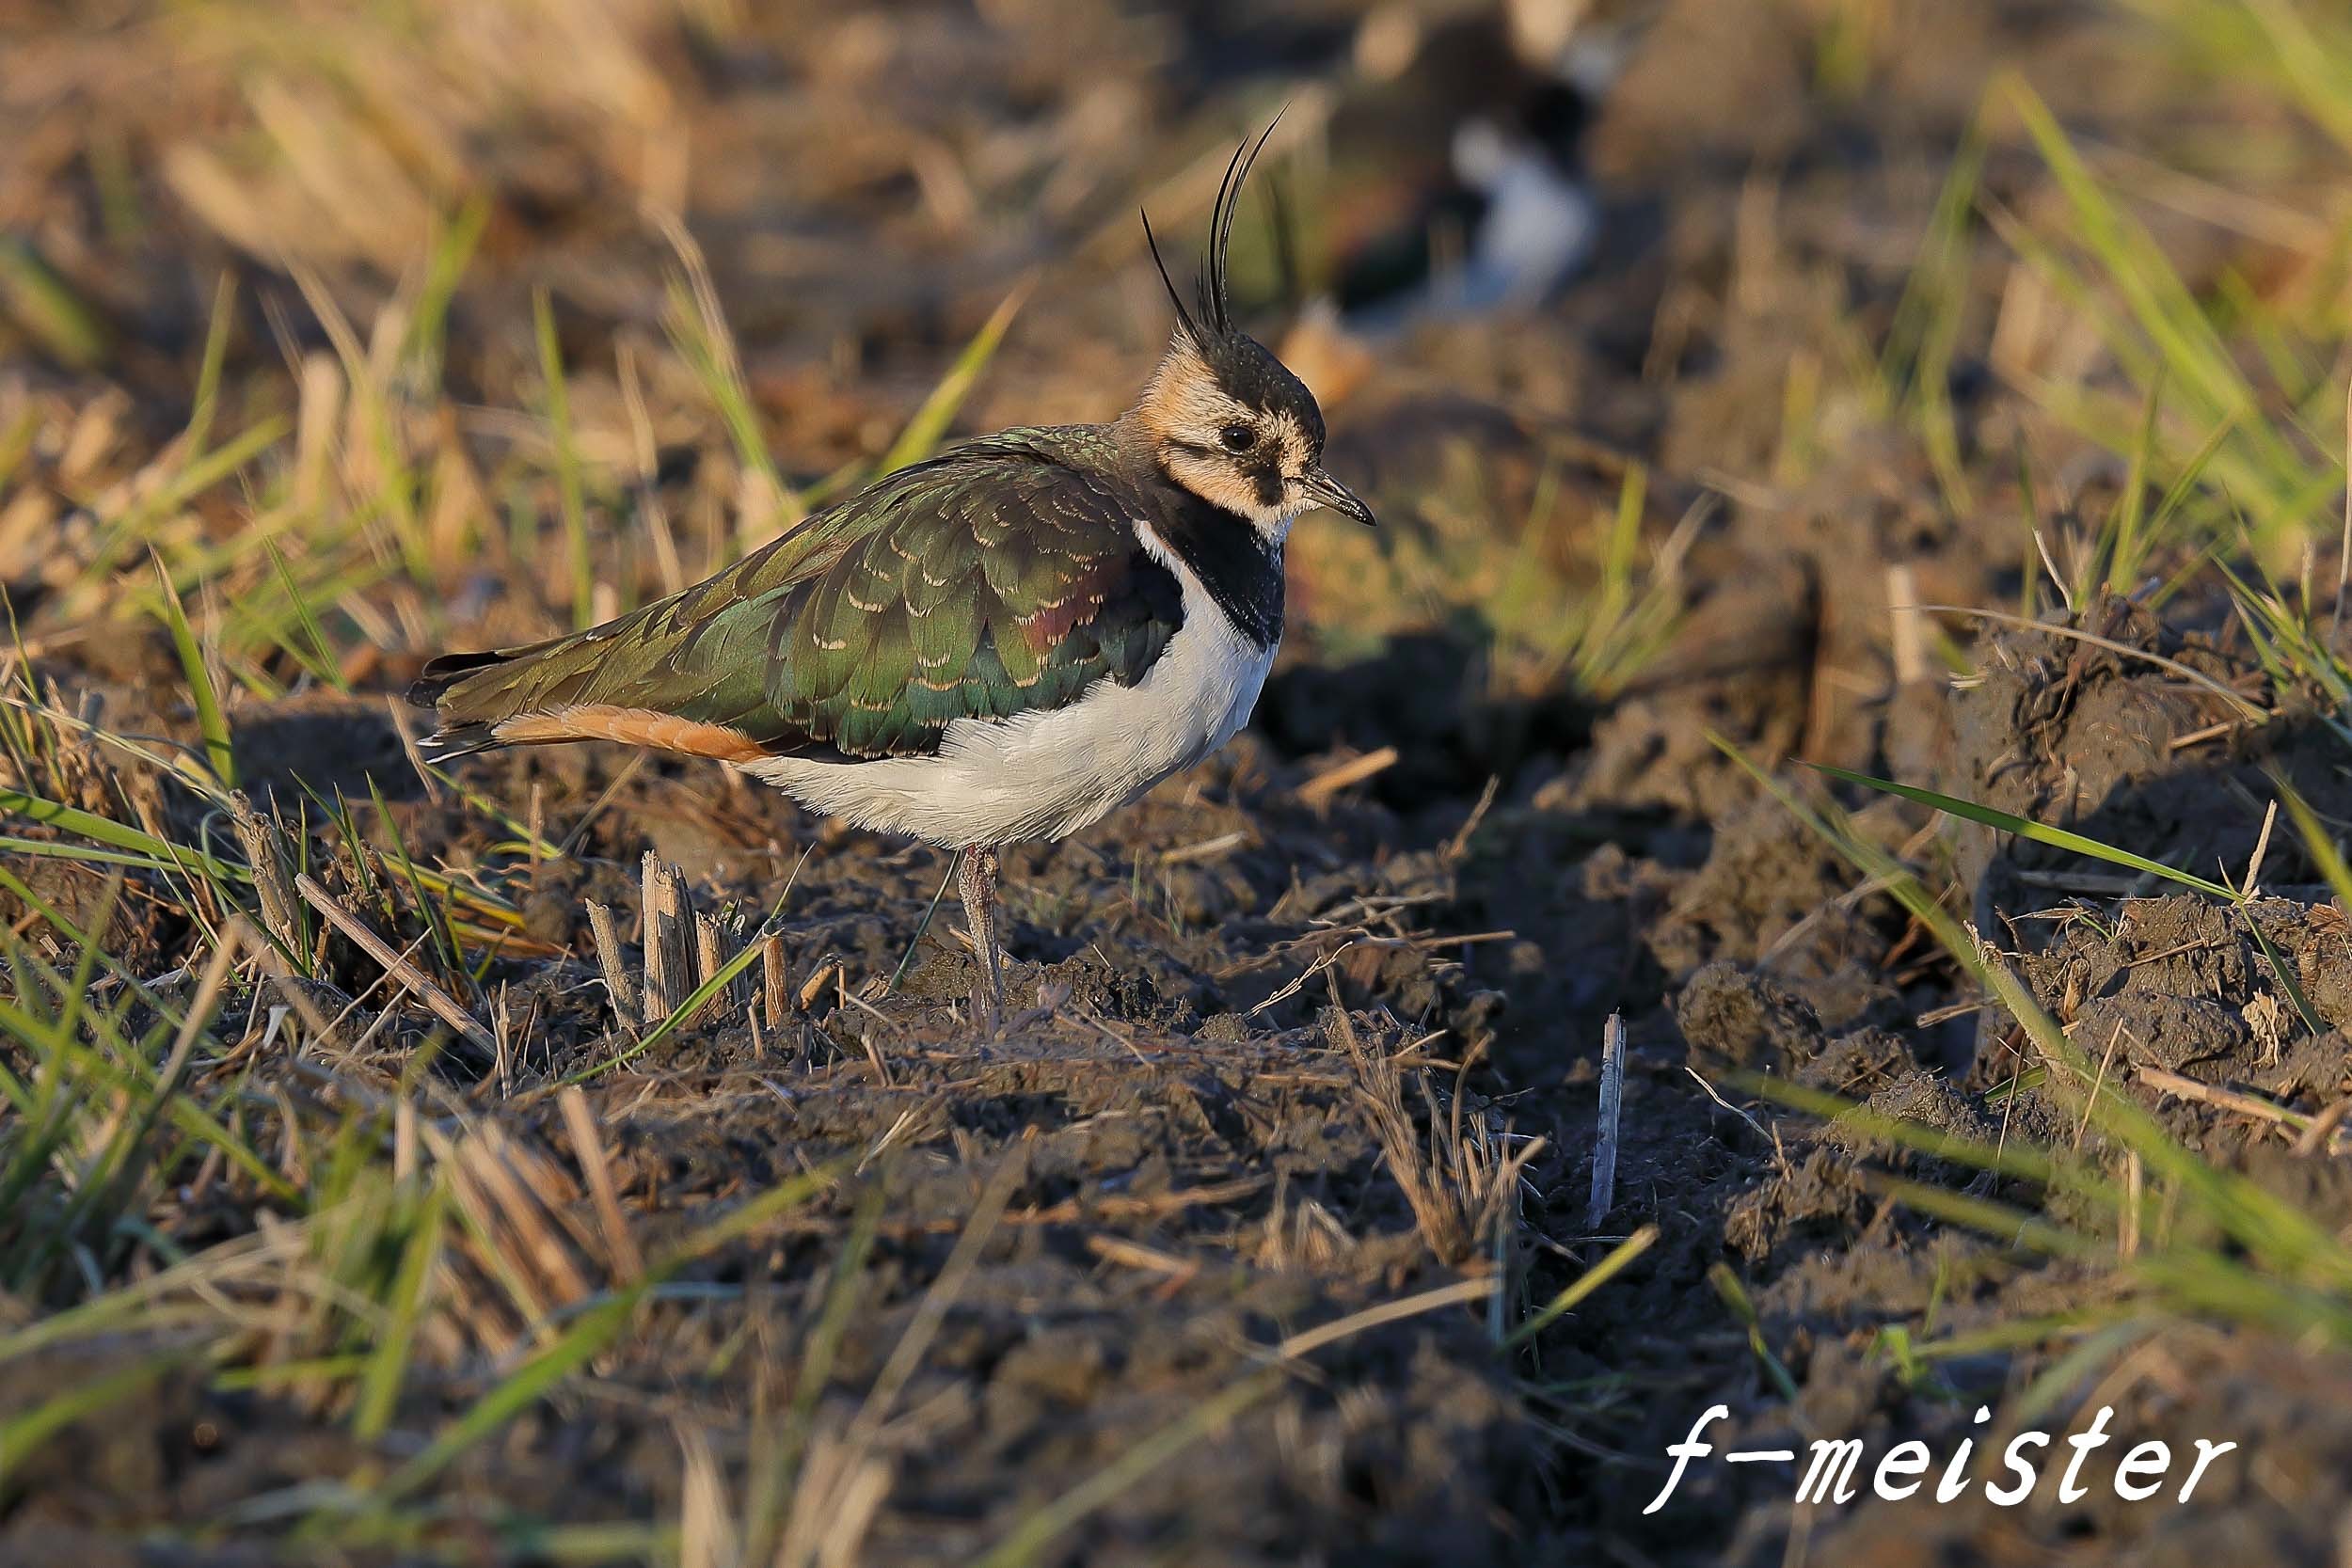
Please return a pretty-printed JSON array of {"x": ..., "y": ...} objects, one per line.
[
  {"x": 1475, "y": 127},
  {"x": 1001, "y": 644}
]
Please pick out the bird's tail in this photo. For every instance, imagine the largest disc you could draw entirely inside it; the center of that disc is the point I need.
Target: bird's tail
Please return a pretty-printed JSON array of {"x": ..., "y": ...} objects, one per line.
[
  {"x": 472, "y": 695},
  {"x": 458, "y": 733}
]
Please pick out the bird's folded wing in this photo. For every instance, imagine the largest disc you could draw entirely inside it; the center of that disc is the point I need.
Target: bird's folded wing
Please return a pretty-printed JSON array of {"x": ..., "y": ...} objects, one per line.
[{"x": 1002, "y": 577}]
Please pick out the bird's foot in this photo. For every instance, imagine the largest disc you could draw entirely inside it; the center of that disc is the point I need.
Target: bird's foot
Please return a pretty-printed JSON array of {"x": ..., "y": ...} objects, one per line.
[{"x": 976, "y": 880}]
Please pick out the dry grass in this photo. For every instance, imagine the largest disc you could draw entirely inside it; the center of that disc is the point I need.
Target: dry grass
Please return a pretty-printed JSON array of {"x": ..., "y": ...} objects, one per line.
[
  {"x": 1461, "y": 1170},
  {"x": 335, "y": 336}
]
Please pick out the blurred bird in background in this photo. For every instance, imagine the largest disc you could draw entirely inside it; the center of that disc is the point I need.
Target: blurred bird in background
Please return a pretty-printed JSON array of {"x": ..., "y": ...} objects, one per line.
[{"x": 1478, "y": 121}]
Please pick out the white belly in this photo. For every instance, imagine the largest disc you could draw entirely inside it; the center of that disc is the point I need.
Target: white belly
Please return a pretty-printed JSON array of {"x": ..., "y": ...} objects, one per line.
[{"x": 1046, "y": 774}]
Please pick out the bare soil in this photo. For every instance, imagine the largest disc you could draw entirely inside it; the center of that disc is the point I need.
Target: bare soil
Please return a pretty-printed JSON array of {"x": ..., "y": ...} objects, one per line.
[{"x": 1176, "y": 1144}]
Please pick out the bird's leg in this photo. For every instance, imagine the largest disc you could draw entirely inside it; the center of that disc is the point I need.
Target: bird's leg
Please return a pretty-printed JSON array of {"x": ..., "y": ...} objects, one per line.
[{"x": 976, "y": 881}]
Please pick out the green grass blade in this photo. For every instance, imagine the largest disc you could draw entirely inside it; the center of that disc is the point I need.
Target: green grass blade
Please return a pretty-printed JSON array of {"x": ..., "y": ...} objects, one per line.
[
  {"x": 454, "y": 245},
  {"x": 698, "y": 329},
  {"x": 388, "y": 1365},
  {"x": 47, "y": 849},
  {"x": 2058, "y": 838},
  {"x": 215, "y": 355},
  {"x": 2285, "y": 975},
  {"x": 219, "y": 754},
  {"x": 1577, "y": 1289},
  {"x": 48, "y": 309},
  {"x": 2017, "y": 1160},
  {"x": 596, "y": 1329},
  {"x": 319, "y": 659},
  {"x": 16, "y": 444},
  {"x": 930, "y": 422},
  {"x": 1735, "y": 1296},
  {"x": 26, "y": 1433},
  {"x": 1030, "y": 1537},
  {"x": 2318, "y": 842},
  {"x": 2012, "y": 1225},
  {"x": 678, "y": 1014},
  {"x": 2160, "y": 303},
  {"x": 2123, "y": 547},
  {"x": 114, "y": 835}
]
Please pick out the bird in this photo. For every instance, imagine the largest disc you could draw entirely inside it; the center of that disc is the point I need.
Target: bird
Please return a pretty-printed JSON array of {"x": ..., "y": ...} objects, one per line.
[
  {"x": 1476, "y": 126},
  {"x": 1001, "y": 644}
]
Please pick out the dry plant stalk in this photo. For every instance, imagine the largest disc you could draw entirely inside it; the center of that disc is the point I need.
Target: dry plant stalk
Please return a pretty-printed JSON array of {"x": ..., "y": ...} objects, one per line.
[
  {"x": 1319, "y": 791},
  {"x": 579, "y": 1122},
  {"x": 736, "y": 932},
  {"x": 1301, "y": 1234},
  {"x": 775, "y": 982},
  {"x": 1605, "y": 1132},
  {"x": 264, "y": 846},
  {"x": 709, "y": 958},
  {"x": 1460, "y": 1181},
  {"x": 841, "y": 1488},
  {"x": 413, "y": 979},
  {"x": 521, "y": 1236},
  {"x": 824, "y": 969},
  {"x": 669, "y": 940},
  {"x": 616, "y": 981},
  {"x": 707, "y": 1534}
]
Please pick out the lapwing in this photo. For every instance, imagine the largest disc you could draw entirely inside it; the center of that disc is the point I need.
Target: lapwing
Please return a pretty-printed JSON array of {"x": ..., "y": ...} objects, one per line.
[
  {"x": 1001, "y": 644},
  {"x": 1475, "y": 126}
]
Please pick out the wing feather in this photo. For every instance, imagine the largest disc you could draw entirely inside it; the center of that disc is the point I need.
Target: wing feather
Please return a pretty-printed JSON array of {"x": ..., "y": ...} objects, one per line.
[{"x": 999, "y": 578}]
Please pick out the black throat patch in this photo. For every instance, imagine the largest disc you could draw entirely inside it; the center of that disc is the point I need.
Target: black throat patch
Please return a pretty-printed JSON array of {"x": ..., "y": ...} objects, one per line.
[{"x": 1241, "y": 571}]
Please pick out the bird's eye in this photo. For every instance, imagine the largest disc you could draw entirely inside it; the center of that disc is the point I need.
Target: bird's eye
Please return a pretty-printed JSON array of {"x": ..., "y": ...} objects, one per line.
[{"x": 1237, "y": 437}]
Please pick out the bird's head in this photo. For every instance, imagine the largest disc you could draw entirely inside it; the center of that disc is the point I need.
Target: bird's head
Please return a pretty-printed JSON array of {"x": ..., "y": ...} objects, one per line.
[{"x": 1221, "y": 416}]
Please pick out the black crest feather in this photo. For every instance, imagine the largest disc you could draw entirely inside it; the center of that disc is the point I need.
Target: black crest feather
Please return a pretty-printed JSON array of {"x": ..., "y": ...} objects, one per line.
[
  {"x": 1184, "y": 317},
  {"x": 1216, "y": 313},
  {"x": 1215, "y": 303}
]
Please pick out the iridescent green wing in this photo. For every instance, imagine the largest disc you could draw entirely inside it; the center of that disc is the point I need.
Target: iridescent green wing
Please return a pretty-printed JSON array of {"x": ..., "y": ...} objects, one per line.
[{"x": 1000, "y": 578}]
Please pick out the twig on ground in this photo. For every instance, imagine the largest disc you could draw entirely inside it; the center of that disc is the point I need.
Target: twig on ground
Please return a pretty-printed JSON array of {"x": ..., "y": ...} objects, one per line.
[
  {"x": 413, "y": 979},
  {"x": 1207, "y": 850},
  {"x": 1388, "y": 1312},
  {"x": 1605, "y": 1134},
  {"x": 1458, "y": 846},
  {"x": 616, "y": 981},
  {"x": 826, "y": 968},
  {"x": 1317, "y": 792},
  {"x": 629, "y": 1265},
  {"x": 1754, "y": 1126},
  {"x": 1135, "y": 1255},
  {"x": 2323, "y": 1127},
  {"x": 2244, "y": 1104}
]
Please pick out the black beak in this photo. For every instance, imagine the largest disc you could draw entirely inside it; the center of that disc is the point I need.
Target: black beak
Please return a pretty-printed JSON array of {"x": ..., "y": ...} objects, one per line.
[{"x": 1324, "y": 490}]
